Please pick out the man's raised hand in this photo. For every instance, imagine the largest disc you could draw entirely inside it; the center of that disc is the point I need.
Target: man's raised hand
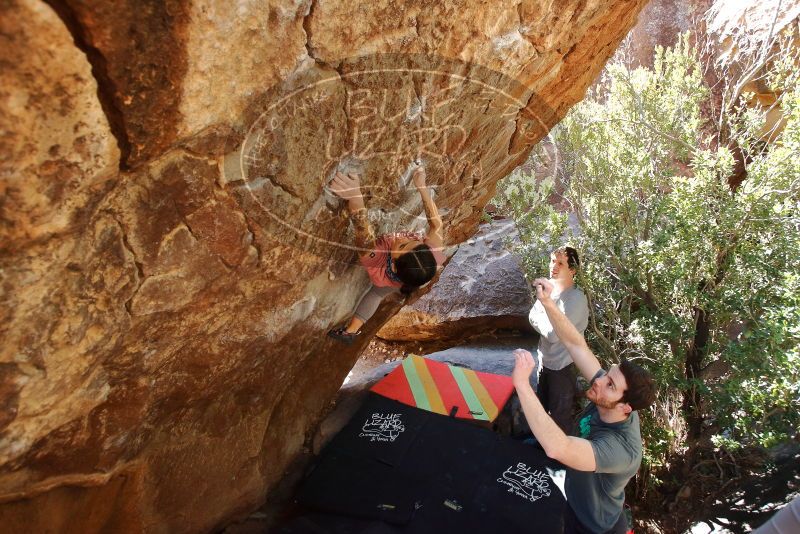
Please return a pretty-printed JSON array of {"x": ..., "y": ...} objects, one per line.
[
  {"x": 346, "y": 186},
  {"x": 524, "y": 365},
  {"x": 544, "y": 288}
]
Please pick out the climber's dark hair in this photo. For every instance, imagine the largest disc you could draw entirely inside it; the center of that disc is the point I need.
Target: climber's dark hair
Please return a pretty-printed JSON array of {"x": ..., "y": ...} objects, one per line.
[
  {"x": 415, "y": 268},
  {"x": 641, "y": 391},
  {"x": 573, "y": 261}
]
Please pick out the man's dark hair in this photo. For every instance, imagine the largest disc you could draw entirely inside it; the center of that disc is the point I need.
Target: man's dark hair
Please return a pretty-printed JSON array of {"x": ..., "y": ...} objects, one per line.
[
  {"x": 415, "y": 268},
  {"x": 573, "y": 261},
  {"x": 641, "y": 391}
]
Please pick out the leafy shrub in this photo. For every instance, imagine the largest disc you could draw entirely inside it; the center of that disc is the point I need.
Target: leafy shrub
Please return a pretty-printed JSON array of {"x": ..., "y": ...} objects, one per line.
[{"x": 695, "y": 279}]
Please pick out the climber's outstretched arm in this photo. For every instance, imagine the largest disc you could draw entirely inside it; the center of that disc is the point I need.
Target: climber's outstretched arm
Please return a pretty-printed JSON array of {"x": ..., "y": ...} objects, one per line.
[
  {"x": 435, "y": 233},
  {"x": 348, "y": 187},
  {"x": 571, "y": 451}
]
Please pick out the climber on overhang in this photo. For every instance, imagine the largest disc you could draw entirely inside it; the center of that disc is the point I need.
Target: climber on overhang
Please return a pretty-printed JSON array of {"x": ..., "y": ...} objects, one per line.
[{"x": 398, "y": 262}]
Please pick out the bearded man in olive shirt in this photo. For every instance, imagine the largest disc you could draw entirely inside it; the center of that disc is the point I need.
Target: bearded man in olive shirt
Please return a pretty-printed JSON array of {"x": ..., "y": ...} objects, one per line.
[{"x": 606, "y": 451}]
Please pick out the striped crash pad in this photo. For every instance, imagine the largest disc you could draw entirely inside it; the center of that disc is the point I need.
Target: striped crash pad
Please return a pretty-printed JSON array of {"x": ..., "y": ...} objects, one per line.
[{"x": 441, "y": 388}]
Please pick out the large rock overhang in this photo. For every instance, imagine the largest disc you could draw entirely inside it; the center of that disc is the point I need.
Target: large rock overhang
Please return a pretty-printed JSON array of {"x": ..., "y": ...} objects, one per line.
[{"x": 170, "y": 258}]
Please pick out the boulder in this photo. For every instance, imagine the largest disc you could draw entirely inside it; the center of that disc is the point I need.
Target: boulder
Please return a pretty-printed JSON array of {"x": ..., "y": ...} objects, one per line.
[
  {"x": 745, "y": 38},
  {"x": 660, "y": 23},
  {"x": 481, "y": 289},
  {"x": 738, "y": 38},
  {"x": 170, "y": 257}
]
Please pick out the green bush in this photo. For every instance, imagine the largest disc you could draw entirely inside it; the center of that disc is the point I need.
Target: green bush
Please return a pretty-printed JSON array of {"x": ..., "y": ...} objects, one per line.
[{"x": 695, "y": 279}]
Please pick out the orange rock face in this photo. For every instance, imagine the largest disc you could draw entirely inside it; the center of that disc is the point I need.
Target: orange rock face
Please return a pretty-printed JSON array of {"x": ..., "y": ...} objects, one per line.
[{"x": 170, "y": 257}]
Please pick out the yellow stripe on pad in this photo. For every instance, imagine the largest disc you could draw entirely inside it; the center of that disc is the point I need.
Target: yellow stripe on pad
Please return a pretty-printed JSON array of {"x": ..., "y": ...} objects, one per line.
[
  {"x": 483, "y": 396},
  {"x": 431, "y": 391}
]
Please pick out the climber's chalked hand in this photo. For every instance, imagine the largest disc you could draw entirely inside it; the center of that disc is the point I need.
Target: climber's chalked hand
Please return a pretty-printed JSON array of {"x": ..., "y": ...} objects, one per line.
[{"x": 346, "y": 186}]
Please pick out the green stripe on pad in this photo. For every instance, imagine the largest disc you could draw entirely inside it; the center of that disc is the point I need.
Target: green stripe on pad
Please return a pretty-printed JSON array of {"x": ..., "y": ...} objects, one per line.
[
  {"x": 417, "y": 389},
  {"x": 473, "y": 403}
]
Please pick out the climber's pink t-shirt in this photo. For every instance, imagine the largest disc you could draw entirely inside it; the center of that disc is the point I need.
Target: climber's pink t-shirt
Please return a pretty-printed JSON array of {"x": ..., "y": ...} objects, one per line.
[{"x": 375, "y": 261}]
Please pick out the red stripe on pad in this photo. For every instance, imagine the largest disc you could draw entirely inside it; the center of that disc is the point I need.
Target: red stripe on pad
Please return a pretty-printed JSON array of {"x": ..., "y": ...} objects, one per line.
[
  {"x": 499, "y": 387},
  {"x": 448, "y": 389},
  {"x": 395, "y": 386}
]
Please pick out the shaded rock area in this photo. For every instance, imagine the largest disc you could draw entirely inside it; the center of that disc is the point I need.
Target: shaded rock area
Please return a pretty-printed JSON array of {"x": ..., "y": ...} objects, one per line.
[
  {"x": 170, "y": 258},
  {"x": 481, "y": 289}
]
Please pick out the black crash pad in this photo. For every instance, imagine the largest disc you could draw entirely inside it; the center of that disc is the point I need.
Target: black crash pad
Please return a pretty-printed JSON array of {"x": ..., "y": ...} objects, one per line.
[{"x": 395, "y": 468}]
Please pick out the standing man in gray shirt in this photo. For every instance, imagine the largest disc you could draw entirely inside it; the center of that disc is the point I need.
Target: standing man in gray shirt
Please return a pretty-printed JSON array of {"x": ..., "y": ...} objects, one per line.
[
  {"x": 606, "y": 450},
  {"x": 557, "y": 388}
]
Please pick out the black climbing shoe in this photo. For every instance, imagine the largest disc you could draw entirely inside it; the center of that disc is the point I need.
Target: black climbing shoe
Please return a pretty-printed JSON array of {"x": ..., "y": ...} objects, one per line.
[{"x": 341, "y": 334}]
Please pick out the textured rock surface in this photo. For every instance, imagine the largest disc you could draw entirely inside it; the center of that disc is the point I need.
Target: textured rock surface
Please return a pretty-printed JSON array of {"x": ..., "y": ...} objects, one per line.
[
  {"x": 482, "y": 288},
  {"x": 58, "y": 151},
  {"x": 660, "y": 23},
  {"x": 745, "y": 31},
  {"x": 745, "y": 37},
  {"x": 738, "y": 37},
  {"x": 170, "y": 259}
]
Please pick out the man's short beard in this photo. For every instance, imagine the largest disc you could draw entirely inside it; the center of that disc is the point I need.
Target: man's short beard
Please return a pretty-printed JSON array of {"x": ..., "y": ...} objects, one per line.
[
  {"x": 601, "y": 404},
  {"x": 608, "y": 405}
]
